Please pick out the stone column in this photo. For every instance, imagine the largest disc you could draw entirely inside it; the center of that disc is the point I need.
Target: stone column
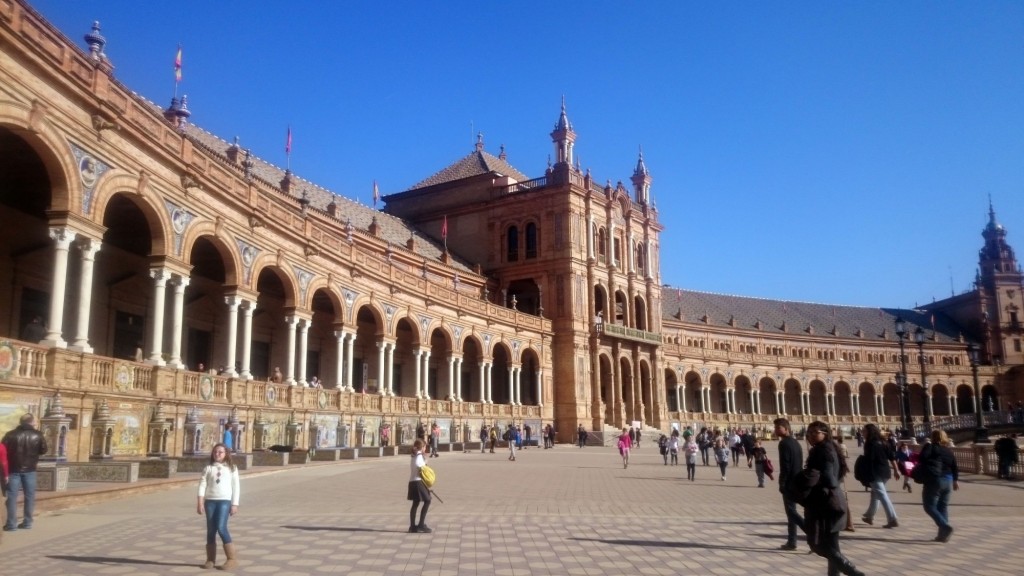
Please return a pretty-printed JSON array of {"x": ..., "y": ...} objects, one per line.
[
  {"x": 63, "y": 238},
  {"x": 680, "y": 398},
  {"x": 389, "y": 365},
  {"x": 451, "y": 378},
  {"x": 381, "y": 347},
  {"x": 232, "y": 344},
  {"x": 953, "y": 408},
  {"x": 160, "y": 277},
  {"x": 928, "y": 407},
  {"x": 289, "y": 366},
  {"x": 417, "y": 354},
  {"x": 511, "y": 385},
  {"x": 178, "y": 321},
  {"x": 855, "y": 398},
  {"x": 540, "y": 387},
  {"x": 89, "y": 247},
  {"x": 483, "y": 383},
  {"x": 339, "y": 364},
  {"x": 247, "y": 308},
  {"x": 426, "y": 374},
  {"x": 879, "y": 405},
  {"x": 303, "y": 347},
  {"x": 974, "y": 405},
  {"x": 519, "y": 385},
  {"x": 350, "y": 361},
  {"x": 458, "y": 379},
  {"x": 487, "y": 374}
]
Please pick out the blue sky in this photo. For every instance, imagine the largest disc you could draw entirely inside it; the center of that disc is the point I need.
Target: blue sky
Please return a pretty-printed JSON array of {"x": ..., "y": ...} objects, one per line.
[{"x": 816, "y": 151}]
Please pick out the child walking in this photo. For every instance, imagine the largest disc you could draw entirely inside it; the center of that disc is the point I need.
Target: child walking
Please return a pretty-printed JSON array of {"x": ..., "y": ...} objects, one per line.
[
  {"x": 418, "y": 492},
  {"x": 218, "y": 499}
]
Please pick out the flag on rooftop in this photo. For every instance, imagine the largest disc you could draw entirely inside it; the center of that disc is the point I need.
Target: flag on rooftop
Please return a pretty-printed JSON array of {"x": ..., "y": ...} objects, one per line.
[
  {"x": 376, "y": 193},
  {"x": 177, "y": 65}
]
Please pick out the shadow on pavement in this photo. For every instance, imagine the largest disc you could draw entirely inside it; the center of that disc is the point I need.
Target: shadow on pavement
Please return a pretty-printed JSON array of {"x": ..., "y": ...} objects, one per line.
[
  {"x": 662, "y": 544},
  {"x": 110, "y": 560},
  {"x": 336, "y": 529}
]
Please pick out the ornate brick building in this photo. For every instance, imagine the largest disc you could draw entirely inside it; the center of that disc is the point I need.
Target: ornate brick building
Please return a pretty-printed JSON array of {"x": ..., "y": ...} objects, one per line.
[{"x": 161, "y": 278}]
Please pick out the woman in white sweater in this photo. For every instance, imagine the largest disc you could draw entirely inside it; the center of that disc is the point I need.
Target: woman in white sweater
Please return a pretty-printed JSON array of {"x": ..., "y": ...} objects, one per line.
[{"x": 218, "y": 499}]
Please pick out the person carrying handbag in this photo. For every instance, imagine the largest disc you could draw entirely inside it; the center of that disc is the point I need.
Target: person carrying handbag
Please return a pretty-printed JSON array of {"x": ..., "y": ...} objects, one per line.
[{"x": 825, "y": 507}]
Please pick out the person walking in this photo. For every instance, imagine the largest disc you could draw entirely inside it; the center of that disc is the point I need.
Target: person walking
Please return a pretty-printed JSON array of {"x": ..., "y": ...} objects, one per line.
[
  {"x": 824, "y": 520},
  {"x": 758, "y": 455},
  {"x": 844, "y": 457},
  {"x": 625, "y": 443},
  {"x": 903, "y": 457},
  {"x": 663, "y": 448},
  {"x": 632, "y": 436},
  {"x": 637, "y": 437},
  {"x": 882, "y": 463},
  {"x": 528, "y": 431},
  {"x": 483, "y": 438},
  {"x": 510, "y": 437},
  {"x": 418, "y": 492},
  {"x": 218, "y": 500},
  {"x": 704, "y": 443},
  {"x": 736, "y": 443},
  {"x": 690, "y": 448},
  {"x": 673, "y": 447},
  {"x": 24, "y": 446},
  {"x": 790, "y": 464},
  {"x": 581, "y": 436},
  {"x": 492, "y": 436},
  {"x": 941, "y": 478},
  {"x": 551, "y": 434},
  {"x": 722, "y": 454},
  {"x": 435, "y": 440},
  {"x": 1007, "y": 454}
]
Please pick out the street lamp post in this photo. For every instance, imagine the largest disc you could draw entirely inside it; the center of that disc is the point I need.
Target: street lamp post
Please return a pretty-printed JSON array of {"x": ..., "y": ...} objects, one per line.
[
  {"x": 980, "y": 432},
  {"x": 901, "y": 380},
  {"x": 919, "y": 338}
]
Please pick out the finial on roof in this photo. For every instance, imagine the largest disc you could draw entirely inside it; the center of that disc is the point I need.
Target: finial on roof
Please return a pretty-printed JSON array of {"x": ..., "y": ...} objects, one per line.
[
  {"x": 247, "y": 165},
  {"x": 96, "y": 43},
  {"x": 563, "y": 118},
  {"x": 641, "y": 168},
  {"x": 992, "y": 224},
  {"x": 479, "y": 141},
  {"x": 183, "y": 111},
  {"x": 332, "y": 208},
  {"x": 502, "y": 155}
]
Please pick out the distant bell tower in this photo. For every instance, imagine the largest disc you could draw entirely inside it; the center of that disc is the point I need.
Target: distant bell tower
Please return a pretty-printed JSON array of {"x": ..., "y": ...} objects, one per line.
[
  {"x": 1000, "y": 284},
  {"x": 564, "y": 138},
  {"x": 642, "y": 182}
]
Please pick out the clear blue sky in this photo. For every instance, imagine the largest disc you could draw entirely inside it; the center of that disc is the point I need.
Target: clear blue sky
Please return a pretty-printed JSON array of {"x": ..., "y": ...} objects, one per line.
[{"x": 817, "y": 151}]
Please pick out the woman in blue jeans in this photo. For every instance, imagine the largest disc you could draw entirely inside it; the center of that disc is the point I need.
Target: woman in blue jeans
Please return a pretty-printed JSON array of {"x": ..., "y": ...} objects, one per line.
[
  {"x": 882, "y": 461},
  {"x": 941, "y": 479},
  {"x": 218, "y": 499}
]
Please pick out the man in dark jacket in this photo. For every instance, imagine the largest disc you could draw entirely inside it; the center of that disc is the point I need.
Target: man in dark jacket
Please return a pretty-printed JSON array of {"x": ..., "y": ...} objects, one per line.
[
  {"x": 791, "y": 462},
  {"x": 882, "y": 461},
  {"x": 1007, "y": 453},
  {"x": 24, "y": 447}
]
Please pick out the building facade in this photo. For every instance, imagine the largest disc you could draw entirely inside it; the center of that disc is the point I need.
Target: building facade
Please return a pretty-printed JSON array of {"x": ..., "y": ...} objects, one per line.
[{"x": 162, "y": 277}]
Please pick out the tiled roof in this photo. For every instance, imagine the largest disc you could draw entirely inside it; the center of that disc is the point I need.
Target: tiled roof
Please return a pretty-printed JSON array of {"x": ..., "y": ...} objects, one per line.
[
  {"x": 476, "y": 163},
  {"x": 825, "y": 320},
  {"x": 392, "y": 229}
]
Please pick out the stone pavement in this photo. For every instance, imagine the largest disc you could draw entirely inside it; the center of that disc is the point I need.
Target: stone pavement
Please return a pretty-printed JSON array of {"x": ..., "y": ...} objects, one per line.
[{"x": 560, "y": 511}]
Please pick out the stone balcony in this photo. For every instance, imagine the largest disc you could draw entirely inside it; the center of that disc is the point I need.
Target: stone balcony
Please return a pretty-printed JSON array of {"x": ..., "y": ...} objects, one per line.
[{"x": 627, "y": 333}]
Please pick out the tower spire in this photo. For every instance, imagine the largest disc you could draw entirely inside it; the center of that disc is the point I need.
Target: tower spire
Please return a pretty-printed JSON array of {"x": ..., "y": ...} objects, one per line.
[
  {"x": 564, "y": 138},
  {"x": 642, "y": 181}
]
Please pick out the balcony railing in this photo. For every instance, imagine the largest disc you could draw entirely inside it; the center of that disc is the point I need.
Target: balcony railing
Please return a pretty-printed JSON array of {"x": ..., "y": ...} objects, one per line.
[{"x": 628, "y": 333}]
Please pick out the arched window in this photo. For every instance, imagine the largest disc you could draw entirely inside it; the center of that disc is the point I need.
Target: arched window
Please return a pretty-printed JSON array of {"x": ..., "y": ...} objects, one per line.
[
  {"x": 512, "y": 255},
  {"x": 602, "y": 244},
  {"x": 531, "y": 240},
  {"x": 641, "y": 259}
]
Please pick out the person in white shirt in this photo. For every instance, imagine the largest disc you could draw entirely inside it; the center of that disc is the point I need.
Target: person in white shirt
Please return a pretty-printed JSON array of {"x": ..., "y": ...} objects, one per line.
[
  {"x": 218, "y": 499},
  {"x": 418, "y": 492}
]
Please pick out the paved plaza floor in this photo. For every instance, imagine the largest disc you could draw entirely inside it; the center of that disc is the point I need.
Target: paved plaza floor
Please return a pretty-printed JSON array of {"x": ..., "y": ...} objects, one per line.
[{"x": 559, "y": 511}]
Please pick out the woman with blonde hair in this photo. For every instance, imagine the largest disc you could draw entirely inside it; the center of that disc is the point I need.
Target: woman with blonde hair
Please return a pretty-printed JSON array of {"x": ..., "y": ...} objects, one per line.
[{"x": 941, "y": 477}]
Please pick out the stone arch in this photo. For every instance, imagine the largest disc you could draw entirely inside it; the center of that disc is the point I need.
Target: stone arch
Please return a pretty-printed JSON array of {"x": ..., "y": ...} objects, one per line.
[
  {"x": 268, "y": 263},
  {"x": 606, "y": 378},
  {"x": 842, "y": 398},
  {"x": 793, "y": 394},
  {"x": 719, "y": 389},
  {"x": 817, "y": 395},
  {"x": 155, "y": 219},
  {"x": 741, "y": 394},
  {"x": 230, "y": 261},
  {"x": 867, "y": 404},
  {"x": 647, "y": 391},
  {"x": 530, "y": 377},
  {"x": 52, "y": 149},
  {"x": 940, "y": 399},
  {"x": 626, "y": 392},
  {"x": 671, "y": 380},
  {"x": 692, "y": 386},
  {"x": 891, "y": 399},
  {"x": 501, "y": 358},
  {"x": 767, "y": 389}
]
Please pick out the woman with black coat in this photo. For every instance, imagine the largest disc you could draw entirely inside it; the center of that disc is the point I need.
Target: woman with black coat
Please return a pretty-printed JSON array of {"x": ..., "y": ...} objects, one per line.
[{"x": 825, "y": 510}]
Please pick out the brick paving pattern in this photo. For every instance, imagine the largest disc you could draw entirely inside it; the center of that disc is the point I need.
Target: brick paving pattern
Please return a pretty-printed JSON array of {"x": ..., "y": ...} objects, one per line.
[{"x": 560, "y": 511}]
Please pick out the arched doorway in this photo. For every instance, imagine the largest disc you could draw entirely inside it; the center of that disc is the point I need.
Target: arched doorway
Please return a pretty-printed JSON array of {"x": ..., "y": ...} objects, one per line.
[
  {"x": 607, "y": 388},
  {"x": 367, "y": 365},
  {"x": 940, "y": 400},
  {"x": 671, "y": 393},
  {"x": 719, "y": 389},
  {"x": 472, "y": 361},
  {"x": 499, "y": 374},
  {"x": 692, "y": 389},
  {"x": 793, "y": 397},
  {"x": 744, "y": 404},
  {"x": 768, "y": 398},
  {"x": 530, "y": 378},
  {"x": 407, "y": 367},
  {"x": 440, "y": 375},
  {"x": 626, "y": 392},
  {"x": 891, "y": 399},
  {"x": 965, "y": 399},
  {"x": 817, "y": 398},
  {"x": 867, "y": 404},
  {"x": 646, "y": 392},
  {"x": 843, "y": 399}
]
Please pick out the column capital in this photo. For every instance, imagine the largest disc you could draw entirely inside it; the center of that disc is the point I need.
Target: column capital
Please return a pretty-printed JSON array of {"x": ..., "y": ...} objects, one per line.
[
  {"x": 291, "y": 320},
  {"x": 89, "y": 247},
  {"x": 181, "y": 282},
  {"x": 161, "y": 275},
  {"x": 63, "y": 237}
]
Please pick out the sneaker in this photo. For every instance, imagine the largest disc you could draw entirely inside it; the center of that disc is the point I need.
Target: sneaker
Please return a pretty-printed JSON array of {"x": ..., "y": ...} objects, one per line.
[
  {"x": 723, "y": 478},
  {"x": 944, "y": 534},
  {"x": 412, "y": 529},
  {"x": 24, "y": 526},
  {"x": 788, "y": 546},
  {"x": 423, "y": 528},
  {"x": 866, "y": 519},
  {"x": 892, "y": 524},
  {"x": 10, "y": 528}
]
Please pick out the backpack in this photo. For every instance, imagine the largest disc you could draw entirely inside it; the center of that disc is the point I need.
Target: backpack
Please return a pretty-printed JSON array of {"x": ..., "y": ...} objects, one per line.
[
  {"x": 428, "y": 476},
  {"x": 507, "y": 435},
  {"x": 862, "y": 470}
]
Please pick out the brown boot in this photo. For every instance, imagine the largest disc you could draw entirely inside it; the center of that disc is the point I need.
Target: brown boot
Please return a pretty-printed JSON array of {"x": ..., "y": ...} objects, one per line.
[
  {"x": 231, "y": 562},
  {"x": 211, "y": 556}
]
